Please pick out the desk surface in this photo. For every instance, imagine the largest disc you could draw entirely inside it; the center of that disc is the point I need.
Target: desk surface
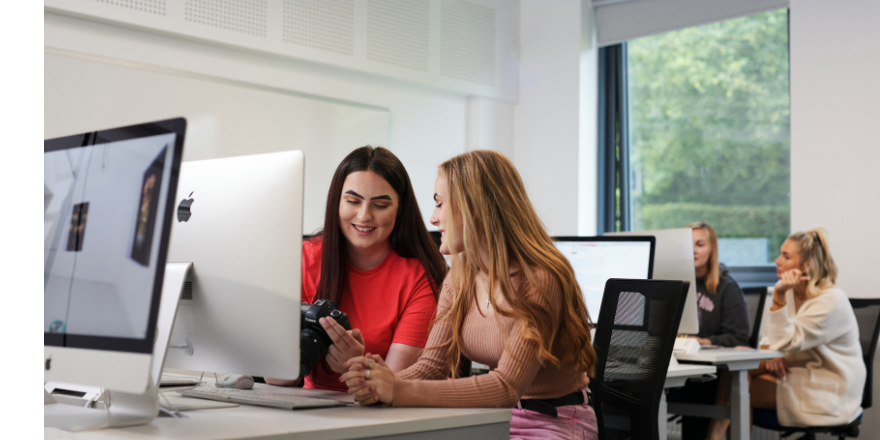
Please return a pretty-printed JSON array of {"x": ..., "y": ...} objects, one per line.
[
  {"x": 681, "y": 370},
  {"x": 254, "y": 422},
  {"x": 727, "y": 355}
]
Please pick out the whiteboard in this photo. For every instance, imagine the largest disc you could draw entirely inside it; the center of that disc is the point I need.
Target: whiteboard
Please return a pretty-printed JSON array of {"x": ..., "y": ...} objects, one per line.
[{"x": 224, "y": 117}]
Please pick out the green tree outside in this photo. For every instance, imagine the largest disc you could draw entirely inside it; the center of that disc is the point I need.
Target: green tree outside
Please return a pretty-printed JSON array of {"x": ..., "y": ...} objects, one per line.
[{"x": 710, "y": 130}]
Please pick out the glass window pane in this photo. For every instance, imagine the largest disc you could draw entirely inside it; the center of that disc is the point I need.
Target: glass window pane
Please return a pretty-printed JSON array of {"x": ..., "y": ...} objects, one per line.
[{"x": 709, "y": 118}]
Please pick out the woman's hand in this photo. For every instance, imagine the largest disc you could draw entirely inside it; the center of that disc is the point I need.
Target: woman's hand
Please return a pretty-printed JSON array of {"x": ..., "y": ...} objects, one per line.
[
  {"x": 787, "y": 281},
  {"x": 369, "y": 379},
  {"x": 776, "y": 367},
  {"x": 346, "y": 344},
  {"x": 704, "y": 341}
]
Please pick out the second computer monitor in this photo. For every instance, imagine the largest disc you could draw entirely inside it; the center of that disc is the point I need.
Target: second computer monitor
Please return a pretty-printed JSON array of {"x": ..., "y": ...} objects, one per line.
[
  {"x": 674, "y": 260},
  {"x": 597, "y": 259},
  {"x": 239, "y": 220}
]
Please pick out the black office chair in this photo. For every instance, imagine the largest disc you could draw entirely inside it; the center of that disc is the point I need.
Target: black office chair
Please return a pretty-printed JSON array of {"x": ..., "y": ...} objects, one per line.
[
  {"x": 638, "y": 322},
  {"x": 868, "y": 318},
  {"x": 756, "y": 298}
]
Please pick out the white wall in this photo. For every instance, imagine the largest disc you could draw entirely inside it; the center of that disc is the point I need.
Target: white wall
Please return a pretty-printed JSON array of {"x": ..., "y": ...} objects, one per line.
[
  {"x": 835, "y": 140},
  {"x": 546, "y": 139},
  {"x": 427, "y": 125}
]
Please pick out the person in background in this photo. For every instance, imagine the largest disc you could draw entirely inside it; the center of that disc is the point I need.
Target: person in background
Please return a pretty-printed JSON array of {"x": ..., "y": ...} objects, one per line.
[
  {"x": 820, "y": 379},
  {"x": 721, "y": 305},
  {"x": 376, "y": 260},
  {"x": 511, "y": 302},
  {"x": 724, "y": 321}
]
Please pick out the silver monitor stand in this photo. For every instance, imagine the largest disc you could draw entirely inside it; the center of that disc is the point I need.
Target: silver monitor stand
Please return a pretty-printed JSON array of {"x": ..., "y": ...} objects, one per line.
[{"x": 123, "y": 409}]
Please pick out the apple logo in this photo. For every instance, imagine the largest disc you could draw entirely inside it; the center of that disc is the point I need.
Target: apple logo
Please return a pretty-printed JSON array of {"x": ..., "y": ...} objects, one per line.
[
  {"x": 48, "y": 363},
  {"x": 183, "y": 212}
]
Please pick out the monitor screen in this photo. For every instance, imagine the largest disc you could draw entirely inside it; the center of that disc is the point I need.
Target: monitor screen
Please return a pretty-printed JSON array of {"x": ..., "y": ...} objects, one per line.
[
  {"x": 596, "y": 259},
  {"x": 107, "y": 216}
]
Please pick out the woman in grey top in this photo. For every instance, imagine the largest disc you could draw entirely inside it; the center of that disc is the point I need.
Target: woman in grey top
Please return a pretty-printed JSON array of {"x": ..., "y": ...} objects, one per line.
[{"x": 721, "y": 305}]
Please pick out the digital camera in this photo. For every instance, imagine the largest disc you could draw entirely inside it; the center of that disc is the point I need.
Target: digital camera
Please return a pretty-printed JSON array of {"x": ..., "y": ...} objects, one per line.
[{"x": 313, "y": 340}]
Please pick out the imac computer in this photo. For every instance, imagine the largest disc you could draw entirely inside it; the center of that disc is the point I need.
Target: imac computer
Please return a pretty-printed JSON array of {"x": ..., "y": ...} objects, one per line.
[
  {"x": 108, "y": 205},
  {"x": 597, "y": 259},
  {"x": 239, "y": 221},
  {"x": 674, "y": 260}
]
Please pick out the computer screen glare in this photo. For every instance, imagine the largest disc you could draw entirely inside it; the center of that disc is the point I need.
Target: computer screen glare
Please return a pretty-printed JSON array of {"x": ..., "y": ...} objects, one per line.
[{"x": 104, "y": 206}]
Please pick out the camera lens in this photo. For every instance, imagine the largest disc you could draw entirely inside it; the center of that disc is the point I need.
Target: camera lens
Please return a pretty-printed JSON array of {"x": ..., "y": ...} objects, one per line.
[{"x": 311, "y": 349}]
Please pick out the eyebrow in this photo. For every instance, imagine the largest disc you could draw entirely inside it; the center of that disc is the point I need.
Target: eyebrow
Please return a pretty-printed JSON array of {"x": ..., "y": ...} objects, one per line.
[{"x": 382, "y": 197}]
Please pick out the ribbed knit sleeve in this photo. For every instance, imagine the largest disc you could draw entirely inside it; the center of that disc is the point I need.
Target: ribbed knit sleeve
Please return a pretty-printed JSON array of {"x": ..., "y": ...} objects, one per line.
[
  {"x": 430, "y": 365},
  {"x": 503, "y": 386}
]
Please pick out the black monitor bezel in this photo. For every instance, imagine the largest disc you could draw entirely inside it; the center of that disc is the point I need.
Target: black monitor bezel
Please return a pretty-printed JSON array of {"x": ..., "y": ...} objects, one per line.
[
  {"x": 619, "y": 238},
  {"x": 178, "y": 127}
]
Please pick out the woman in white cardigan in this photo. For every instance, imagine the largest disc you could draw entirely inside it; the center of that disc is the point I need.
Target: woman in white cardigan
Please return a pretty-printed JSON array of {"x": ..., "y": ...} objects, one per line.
[{"x": 820, "y": 380}]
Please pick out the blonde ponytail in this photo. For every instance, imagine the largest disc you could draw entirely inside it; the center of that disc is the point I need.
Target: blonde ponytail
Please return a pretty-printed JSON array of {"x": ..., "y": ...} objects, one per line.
[{"x": 816, "y": 255}]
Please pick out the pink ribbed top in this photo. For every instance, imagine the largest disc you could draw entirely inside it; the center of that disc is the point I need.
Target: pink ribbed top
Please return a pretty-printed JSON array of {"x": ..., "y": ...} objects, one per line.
[{"x": 515, "y": 373}]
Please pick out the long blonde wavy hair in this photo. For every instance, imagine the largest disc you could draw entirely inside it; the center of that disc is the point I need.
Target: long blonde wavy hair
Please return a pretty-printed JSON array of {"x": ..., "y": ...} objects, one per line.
[
  {"x": 498, "y": 220},
  {"x": 817, "y": 257}
]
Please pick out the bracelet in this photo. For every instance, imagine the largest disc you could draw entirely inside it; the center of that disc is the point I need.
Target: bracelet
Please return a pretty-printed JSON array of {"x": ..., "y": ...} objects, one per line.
[{"x": 778, "y": 304}]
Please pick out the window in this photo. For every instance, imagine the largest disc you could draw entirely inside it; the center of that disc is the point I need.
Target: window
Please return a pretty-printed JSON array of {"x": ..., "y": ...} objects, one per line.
[{"x": 702, "y": 134}]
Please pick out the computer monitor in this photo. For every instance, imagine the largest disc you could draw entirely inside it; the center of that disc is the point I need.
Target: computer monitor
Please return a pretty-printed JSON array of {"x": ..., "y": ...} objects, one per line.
[
  {"x": 597, "y": 259},
  {"x": 108, "y": 205},
  {"x": 674, "y": 260},
  {"x": 240, "y": 222}
]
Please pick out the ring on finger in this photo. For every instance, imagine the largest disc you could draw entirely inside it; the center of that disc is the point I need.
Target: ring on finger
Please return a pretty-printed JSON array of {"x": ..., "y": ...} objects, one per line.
[
  {"x": 370, "y": 364},
  {"x": 367, "y": 375}
]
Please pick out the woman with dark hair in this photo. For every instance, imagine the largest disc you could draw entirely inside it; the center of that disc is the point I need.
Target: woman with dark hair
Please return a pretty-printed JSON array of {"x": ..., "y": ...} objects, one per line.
[{"x": 376, "y": 260}]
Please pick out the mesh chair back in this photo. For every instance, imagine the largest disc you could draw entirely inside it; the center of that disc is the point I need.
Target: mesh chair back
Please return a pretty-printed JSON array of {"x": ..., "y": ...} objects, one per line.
[
  {"x": 637, "y": 328},
  {"x": 868, "y": 318},
  {"x": 756, "y": 297}
]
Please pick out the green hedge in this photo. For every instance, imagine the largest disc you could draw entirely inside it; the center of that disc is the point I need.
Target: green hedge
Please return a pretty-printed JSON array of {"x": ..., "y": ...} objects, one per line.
[{"x": 736, "y": 221}]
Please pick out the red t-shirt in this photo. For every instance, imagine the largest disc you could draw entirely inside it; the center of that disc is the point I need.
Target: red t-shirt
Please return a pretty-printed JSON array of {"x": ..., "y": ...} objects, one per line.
[{"x": 391, "y": 303}]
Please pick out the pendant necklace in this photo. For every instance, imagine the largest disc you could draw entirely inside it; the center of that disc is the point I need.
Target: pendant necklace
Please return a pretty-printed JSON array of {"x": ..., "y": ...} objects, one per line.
[{"x": 487, "y": 291}]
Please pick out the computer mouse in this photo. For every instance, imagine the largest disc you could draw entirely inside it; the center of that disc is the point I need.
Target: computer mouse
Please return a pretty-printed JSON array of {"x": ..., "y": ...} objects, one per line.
[{"x": 238, "y": 381}]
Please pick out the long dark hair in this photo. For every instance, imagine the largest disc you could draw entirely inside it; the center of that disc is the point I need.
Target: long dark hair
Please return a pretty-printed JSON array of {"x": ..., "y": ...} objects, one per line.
[{"x": 409, "y": 238}]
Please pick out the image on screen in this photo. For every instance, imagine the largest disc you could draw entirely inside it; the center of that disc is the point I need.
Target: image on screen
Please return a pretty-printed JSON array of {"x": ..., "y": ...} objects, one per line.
[
  {"x": 594, "y": 262},
  {"x": 102, "y": 228}
]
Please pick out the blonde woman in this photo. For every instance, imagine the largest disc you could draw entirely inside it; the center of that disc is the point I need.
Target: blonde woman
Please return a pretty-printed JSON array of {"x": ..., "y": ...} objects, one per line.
[
  {"x": 511, "y": 302},
  {"x": 721, "y": 305},
  {"x": 724, "y": 321},
  {"x": 820, "y": 380}
]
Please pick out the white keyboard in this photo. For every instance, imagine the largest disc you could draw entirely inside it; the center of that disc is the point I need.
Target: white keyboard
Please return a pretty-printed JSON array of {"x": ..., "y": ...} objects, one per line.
[{"x": 259, "y": 398}]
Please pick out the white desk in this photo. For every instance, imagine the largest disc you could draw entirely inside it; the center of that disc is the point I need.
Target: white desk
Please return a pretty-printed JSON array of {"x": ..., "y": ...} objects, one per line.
[
  {"x": 676, "y": 376},
  {"x": 350, "y": 422},
  {"x": 738, "y": 361}
]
